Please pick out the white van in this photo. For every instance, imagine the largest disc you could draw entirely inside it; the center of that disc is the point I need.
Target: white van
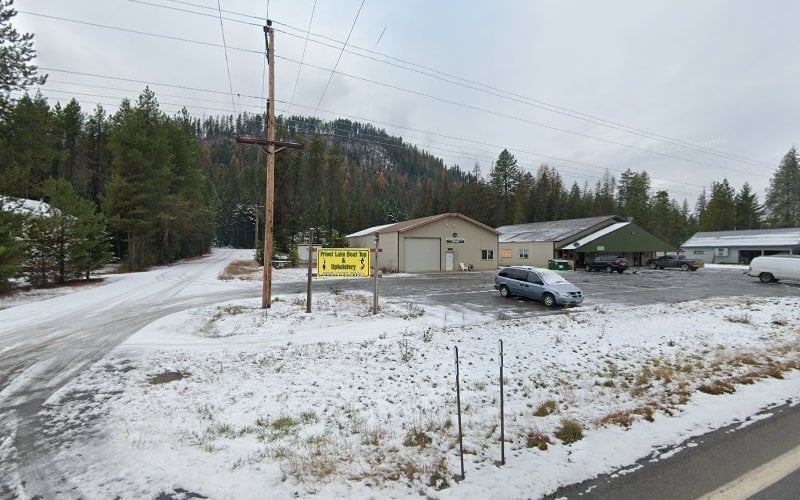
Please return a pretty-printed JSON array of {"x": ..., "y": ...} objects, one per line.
[{"x": 776, "y": 267}]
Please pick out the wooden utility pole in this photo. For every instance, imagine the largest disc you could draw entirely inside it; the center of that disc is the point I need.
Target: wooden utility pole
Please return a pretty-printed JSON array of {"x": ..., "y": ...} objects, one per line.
[
  {"x": 269, "y": 206},
  {"x": 270, "y": 143}
]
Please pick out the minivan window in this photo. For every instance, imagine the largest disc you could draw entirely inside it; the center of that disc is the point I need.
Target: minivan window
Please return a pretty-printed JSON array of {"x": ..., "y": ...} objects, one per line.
[
  {"x": 534, "y": 278},
  {"x": 551, "y": 277}
]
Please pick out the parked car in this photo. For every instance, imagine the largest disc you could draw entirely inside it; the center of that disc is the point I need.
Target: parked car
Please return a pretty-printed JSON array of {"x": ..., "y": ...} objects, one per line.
[
  {"x": 775, "y": 267},
  {"x": 538, "y": 284},
  {"x": 607, "y": 263},
  {"x": 681, "y": 261}
]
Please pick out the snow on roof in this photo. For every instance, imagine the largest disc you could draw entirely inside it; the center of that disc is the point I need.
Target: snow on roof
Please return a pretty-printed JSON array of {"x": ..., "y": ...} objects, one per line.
[
  {"x": 368, "y": 231},
  {"x": 750, "y": 238},
  {"x": 399, "y": 227},
  {"x": 551, "y": 230},
  {"x": 24, "y": 206},
  {"x": 598, "y": 234}
]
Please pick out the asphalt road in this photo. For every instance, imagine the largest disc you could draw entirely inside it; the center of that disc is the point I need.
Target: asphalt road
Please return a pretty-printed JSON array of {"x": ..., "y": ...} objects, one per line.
[
  {"x": 44, "y": 346},
  {"x": 721, "y": 458}
]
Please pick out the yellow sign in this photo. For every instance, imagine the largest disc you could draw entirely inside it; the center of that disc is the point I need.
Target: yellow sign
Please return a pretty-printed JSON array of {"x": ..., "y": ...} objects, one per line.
[{"x": 343, "y": 262}]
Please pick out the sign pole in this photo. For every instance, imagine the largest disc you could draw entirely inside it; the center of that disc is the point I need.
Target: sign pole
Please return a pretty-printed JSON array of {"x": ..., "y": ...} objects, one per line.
[
  {"x": 458, "y": 406},
  {"x": 502, "y": 414},
  {"x": 310, "y": 254},
  {"x": 375, "y": 277}
]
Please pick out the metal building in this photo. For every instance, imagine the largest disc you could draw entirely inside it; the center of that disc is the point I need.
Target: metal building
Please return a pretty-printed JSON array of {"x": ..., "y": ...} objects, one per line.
[
  {"x": 444, "y": 242},
  {"x": 577, "y": 241},
  {"x": 740, "y": 247}
]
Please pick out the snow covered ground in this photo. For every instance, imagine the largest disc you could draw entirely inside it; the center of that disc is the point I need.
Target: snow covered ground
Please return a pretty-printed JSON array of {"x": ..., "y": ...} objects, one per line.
[{"x": 230, "y": 401}]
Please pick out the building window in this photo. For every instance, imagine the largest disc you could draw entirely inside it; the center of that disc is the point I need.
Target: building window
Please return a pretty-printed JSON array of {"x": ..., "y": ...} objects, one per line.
[
  {"x": 487, "y": 254},
  {"x": 523, "y": 253},
  {"x": 698, "y": 252}
]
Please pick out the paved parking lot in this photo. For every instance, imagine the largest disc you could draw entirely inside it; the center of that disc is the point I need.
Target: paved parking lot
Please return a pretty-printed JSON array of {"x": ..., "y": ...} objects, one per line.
[{"x": 474, "y": 290}]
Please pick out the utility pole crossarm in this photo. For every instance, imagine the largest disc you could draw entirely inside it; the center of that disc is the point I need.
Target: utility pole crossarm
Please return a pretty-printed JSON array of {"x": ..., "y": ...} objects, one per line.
[{"x": 264, "y": 142}]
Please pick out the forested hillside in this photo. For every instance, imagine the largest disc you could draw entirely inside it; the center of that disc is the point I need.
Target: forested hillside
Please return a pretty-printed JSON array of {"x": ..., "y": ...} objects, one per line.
[{"x": 168, "y": 187}]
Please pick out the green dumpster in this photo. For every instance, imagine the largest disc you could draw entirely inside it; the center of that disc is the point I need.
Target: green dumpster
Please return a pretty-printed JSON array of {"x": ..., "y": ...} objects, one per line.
[{"x": 558, "y": 265}]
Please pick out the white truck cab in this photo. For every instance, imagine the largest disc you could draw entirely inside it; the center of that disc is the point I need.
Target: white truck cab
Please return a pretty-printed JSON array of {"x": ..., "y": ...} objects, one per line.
[{"x": 769, "y": 268}]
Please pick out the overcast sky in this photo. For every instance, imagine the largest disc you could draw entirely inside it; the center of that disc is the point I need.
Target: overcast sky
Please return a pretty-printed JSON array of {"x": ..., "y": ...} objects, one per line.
[{"x": 710, "y": 87}]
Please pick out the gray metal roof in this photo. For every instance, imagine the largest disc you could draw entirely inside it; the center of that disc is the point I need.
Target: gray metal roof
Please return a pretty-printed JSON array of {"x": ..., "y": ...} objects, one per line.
[
  {"x": 556, "y": 230},
  {"x": 757, "y": 238},
  {"x": 399, "y": 227}
]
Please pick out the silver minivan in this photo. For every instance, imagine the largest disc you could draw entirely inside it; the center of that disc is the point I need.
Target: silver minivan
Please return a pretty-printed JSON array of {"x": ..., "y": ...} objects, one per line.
[
  {"x": 538, "y": 284},
  {"x": 769, "y": 268}
]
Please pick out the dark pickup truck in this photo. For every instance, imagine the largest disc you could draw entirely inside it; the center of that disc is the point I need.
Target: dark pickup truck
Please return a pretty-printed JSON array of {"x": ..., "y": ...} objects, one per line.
[{"x": 681, "y": 261}]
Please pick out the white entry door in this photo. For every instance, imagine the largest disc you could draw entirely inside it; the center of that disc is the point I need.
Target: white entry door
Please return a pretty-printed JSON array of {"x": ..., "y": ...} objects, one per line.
[{"x": 448, "y": 261}]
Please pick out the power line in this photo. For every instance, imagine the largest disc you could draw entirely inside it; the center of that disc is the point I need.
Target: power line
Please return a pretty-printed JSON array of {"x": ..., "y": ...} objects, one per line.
[
  {"x": 516, "y": 118},
  {"x": 136, "y": 32},
  {"x": 303, "y": 56},
  {"x": 645, "y": 150},
  {"x": 340, "y": 55},
  {"x": 426, "y": 132},
  {"x": 495, "y": 91},
  {"x": 227, "y": 64},
  {"x": 146, "y": 82},
  {"x": 485, "y": 156}
]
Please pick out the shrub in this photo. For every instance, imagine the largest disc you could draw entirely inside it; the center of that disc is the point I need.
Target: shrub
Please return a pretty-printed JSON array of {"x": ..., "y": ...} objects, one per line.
[
  {"x": 569, "y": 432},
  {"x": 416, "y": 437},
  {"x": 545, "y": 409},
  {"x": 536, "y": 439}
]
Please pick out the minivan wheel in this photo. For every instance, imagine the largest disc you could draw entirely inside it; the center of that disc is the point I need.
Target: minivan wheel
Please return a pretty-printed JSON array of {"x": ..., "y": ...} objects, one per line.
[
  {"x": 549, "y": 300},
  {"x": 588, "y": 268},
  {"x": 653, "y": 265},
  {"x": 766, "y": 277},
  {"x": 685, "y": 267},
  {"x": 505, "y": 292},
  {"x": 609, "y": 269}
]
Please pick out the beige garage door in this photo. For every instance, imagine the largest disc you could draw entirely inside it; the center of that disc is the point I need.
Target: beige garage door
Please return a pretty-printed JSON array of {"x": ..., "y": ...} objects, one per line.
[{"x": 421, "y": 254}]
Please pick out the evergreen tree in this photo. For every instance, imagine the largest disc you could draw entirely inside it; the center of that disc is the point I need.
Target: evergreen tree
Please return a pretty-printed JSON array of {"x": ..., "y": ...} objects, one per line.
[
  {"x": 748, "y": 211},
  {"x": 94, "y": 143},
  {"x": 633, "y": 198},
  {"x": 720, "y": 211},
  {"x": 783, "y": 195},
  {"x": 16, "y": 54},
  {"x": 12, "y": 253},
  {"x": 27, "y": 155},
  {"x": 68, "y": 127},
  {"x": 604, "y": 203},
  {"x": 135, "y": 197},
  {"x": 82, "y": 242},
  {"x": 503, "y": 179}
]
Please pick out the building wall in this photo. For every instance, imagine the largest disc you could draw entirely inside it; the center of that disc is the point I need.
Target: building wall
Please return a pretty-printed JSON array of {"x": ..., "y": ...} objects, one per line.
[
  {"x": 539, "y": 252},
  {"x": 387, "y": 260},
  {"x": 734, "y": 255},
  {"x": 475, "y": 239}
]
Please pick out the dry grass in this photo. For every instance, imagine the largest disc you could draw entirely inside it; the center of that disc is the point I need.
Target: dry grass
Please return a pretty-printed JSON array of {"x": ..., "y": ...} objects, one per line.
[
  {"x": 241, "y": 269},
  {"x": 569, "y": 432},
  {"x": 620, "y": 418},
  {"x": 717, "y": 387},
  {"x": 536, "y": 439},
  {"x": 545, "y": 409}
]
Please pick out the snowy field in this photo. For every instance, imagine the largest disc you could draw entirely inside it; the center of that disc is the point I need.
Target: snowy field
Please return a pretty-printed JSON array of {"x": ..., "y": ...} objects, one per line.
[{"x": 231, "y": 402}]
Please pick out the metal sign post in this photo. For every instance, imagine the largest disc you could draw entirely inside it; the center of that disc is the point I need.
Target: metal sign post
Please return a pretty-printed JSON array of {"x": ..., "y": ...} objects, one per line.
[
  {"x": 458, "y": 405},
  {"x": 375, "y": 276},
  {"x": 502, "y": 415},
  {"x": 310, "y": 254}
]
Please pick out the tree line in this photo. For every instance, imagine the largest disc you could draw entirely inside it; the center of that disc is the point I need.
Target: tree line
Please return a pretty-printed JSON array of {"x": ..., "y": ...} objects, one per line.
[{"x": 148, "y": 188}]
